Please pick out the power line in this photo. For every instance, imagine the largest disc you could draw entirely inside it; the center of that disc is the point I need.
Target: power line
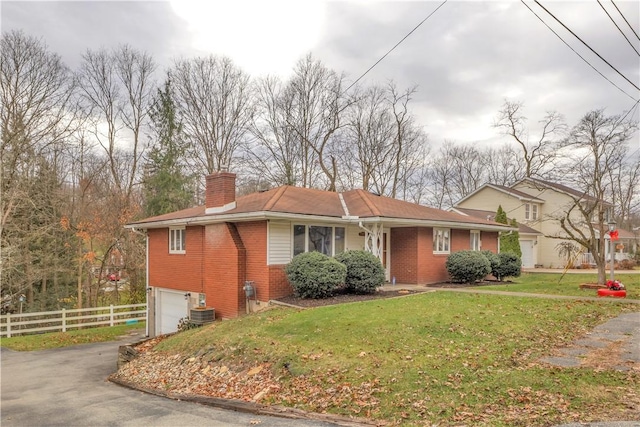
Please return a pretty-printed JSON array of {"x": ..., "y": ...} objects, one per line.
[
  {"x": 621, "y": 32},
  {"x": 393, "y": 48},
  {"x": 625, "y": 20},
  {"x": 589, "y": 47},
  {"x": 574, "y": 51}
]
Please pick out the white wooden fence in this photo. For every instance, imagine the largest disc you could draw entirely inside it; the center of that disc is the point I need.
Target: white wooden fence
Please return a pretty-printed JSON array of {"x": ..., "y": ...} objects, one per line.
[{"x": 63, "y": 320}]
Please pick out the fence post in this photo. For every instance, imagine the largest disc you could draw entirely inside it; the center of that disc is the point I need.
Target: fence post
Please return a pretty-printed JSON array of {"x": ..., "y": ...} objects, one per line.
[
  {"x": 111, "y": 315},
  {"x": 8, "y": 325},
  {"x": 64, "y": 320}
]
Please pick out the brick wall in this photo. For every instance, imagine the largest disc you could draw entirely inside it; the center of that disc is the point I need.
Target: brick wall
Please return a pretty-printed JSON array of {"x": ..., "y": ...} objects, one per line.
[
  {"x": 404, "y": 263},
  {"x": 279, "y": 286},
  {"x": 176, "y": 271},
  {"x": 412, "y": 257},
  {"x": 489, "y": 240},
  {"x": 220, "y": 190}
]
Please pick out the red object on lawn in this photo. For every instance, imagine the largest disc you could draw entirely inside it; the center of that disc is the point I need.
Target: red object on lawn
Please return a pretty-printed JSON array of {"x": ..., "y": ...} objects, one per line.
[{"x": 611, "y": 293}]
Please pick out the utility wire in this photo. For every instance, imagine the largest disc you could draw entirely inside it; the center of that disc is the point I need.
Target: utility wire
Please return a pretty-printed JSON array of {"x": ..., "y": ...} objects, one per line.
[
  {"x": 623, "y": 34},
  {"x": 574, "y": 51},
  {"x": 393, "y": 48},
  {"x": 589, "y": 47},
  {"x": 625, "y": 20}
]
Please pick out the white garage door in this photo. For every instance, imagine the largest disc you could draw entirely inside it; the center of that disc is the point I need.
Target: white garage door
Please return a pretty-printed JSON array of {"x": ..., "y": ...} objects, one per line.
[
  {"x": 171, "y": 306},
  {"x": 526, "y": 246}
]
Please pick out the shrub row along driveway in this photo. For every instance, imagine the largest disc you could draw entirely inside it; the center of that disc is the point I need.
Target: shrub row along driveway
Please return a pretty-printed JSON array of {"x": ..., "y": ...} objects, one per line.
[{"x": 68, "y": 387}]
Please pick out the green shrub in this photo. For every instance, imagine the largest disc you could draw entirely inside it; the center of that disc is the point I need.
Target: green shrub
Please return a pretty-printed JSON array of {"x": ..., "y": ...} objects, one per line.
[
  {"x": 185, "y": 324},
  {"x": 494, "y": 261},
  {"x": 510, "y": 266},
  {"x": 467, "y": 266},
  {"x": 365, "y": 272},
  {"x": 315, "y": 275}
]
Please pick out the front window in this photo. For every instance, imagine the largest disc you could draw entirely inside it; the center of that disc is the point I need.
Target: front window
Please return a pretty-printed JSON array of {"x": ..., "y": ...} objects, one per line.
[
  {"x": 527, "y": 211},
  {"x": 177, "y": 241},
  {"x": 534, "y": 212},
  {"x": 441, "y": 240},
  {"x": 475, "y": 240},
  {"x": 327, "y": 240}
]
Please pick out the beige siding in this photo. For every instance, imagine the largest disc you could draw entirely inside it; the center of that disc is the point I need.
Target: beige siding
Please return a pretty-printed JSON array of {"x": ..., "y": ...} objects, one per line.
[
  {"x": 489, "y": 199},
  {"x": 556, "y": 204},
  {"x": 354, "y": 240},
  {"x": 279, "y": 242}
]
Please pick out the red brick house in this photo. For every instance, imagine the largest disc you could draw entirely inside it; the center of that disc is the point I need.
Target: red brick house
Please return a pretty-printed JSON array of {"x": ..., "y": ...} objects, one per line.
[{"x": 205, "y": 255}]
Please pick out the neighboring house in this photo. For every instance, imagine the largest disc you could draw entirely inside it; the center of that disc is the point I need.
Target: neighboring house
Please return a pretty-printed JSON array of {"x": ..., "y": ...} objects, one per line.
[
  {"x": 536, "y": 205},
  {"x": 207, "y": 254}
]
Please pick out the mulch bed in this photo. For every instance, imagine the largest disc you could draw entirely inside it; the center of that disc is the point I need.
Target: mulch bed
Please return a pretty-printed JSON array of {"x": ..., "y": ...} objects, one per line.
[{"x": 342, "y": 298}]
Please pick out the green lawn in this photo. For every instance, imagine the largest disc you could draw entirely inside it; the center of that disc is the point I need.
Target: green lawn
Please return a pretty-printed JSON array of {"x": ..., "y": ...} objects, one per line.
[
  {"x": 568, "y": 284},
  {"x": 434, "y": 358},
  {"x": 64, "y": 339}
]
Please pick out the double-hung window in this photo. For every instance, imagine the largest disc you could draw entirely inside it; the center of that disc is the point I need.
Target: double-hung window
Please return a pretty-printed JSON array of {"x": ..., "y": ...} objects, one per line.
[
  {"x": 441, "y": 240},
  {"x": 327, "y": 240},
  {"x": 177, "y": 240},
  {"x": 474, "y": 243},
  {"x": 530, "y": 211}
]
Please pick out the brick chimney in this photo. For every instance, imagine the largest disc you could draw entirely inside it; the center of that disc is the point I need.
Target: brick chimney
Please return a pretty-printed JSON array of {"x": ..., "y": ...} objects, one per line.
[{"x": 220, "y": 194}]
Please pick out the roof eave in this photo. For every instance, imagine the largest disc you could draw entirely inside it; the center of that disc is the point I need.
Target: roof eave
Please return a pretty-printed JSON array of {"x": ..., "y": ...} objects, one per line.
[{"x": 264, "y": 215}]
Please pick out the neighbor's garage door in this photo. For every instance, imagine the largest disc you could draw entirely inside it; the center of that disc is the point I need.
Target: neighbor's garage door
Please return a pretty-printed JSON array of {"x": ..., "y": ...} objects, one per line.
[
  {"x": 526, "y": 246},
  {"x": 171, "y": 306}
]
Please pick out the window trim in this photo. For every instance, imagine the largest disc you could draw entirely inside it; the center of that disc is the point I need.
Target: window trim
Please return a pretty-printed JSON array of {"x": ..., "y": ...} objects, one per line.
[
  {"x": 440, "y": 232},
  {"x": 179, "y": 233},
  {"x": 306, "y": 237},
  {"x": 471, "y": 240}
]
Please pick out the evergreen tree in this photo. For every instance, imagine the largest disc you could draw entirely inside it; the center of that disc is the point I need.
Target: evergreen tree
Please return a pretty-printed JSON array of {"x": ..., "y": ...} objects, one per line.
[
  {"x": 501, "y": 216},
  {"x": 167, "y": 187},
  {"x": 509, "y": 241}
]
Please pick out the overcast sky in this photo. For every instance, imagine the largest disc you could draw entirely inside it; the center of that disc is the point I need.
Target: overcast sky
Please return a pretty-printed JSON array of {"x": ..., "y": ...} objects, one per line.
[{"x": 466, "y": 59}]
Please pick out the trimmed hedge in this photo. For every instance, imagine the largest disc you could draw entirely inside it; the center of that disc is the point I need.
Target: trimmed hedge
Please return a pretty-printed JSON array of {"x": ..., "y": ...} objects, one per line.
[
  {"x": 315, "y": 275},
  {"x": 365, "y": 272},
  {"x": 510, "y": 266},
  {"x": 467, "y": 266}
]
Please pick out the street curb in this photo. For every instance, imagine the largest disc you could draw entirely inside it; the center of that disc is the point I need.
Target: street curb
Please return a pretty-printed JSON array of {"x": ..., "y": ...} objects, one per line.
[{"x": 251, "y": 407}]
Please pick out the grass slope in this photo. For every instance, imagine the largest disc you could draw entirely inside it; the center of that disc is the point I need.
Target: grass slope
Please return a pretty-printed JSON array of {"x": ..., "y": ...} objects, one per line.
[
  {"x": 568, "y": 284},
  {"x": 443, "y": 358}
]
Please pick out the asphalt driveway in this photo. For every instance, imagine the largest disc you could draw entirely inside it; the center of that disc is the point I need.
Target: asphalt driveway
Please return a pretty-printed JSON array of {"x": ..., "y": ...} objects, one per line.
[{"x": 68, "y": 387}]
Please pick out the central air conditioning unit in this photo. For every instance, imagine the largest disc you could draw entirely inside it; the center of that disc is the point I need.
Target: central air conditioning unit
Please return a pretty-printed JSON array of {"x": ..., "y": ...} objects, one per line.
[{"x": 200, "y": 316}]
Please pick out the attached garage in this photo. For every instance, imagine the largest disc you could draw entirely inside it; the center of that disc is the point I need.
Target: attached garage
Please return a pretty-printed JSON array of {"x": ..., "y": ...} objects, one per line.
[
  {"x": 171, "y": 306},
  {"x": 526, "y": 246}
]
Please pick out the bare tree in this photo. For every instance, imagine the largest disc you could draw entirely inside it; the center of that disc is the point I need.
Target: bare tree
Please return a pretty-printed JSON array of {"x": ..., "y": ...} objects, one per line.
[
  {"x": 597, "y": 147},
  {"x": 625, "y": 190},
  {"x": 116, "y": 88},
  {"x": 383, "y": 142},
  {"x": 440, "y": 175},
  {"x": 215, "y": 101},
  {"x": 538, "y": 154},
  {"x": 317, "y": 105},
  {"x": 277, "y": 153},
  {"x": 370, "y": 135},
  {"x": 37, "y": 114},
  {"x": 468, "y": 171},
  {"x": 503, "y": 165}
]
